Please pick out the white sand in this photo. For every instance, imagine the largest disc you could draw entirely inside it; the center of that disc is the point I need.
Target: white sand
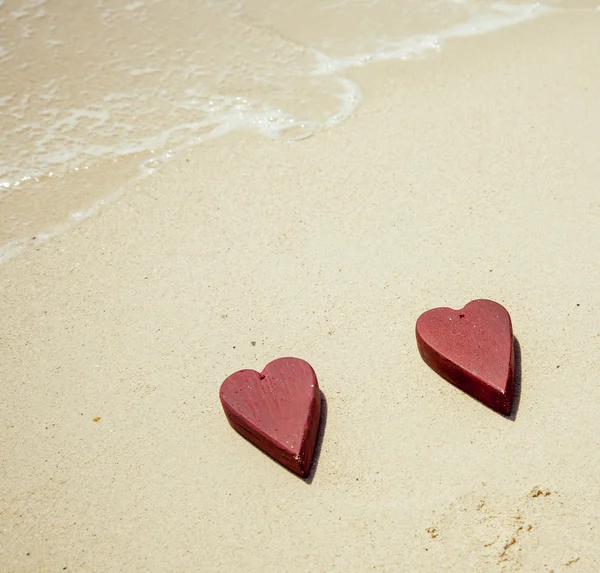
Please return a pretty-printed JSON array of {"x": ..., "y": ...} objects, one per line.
[{"x": 471, "y": 175}]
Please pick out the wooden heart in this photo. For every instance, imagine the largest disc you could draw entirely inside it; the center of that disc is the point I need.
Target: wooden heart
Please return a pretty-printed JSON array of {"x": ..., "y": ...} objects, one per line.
[
  {"x": 278, "y": 410},
  {"x": 472, "y": 348}
]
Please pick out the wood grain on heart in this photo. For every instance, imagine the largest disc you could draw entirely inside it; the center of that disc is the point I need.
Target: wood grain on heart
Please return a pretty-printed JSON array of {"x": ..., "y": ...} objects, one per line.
[
  {"x": 278, "y": 410},
  {"x": 473, "y": 348}
]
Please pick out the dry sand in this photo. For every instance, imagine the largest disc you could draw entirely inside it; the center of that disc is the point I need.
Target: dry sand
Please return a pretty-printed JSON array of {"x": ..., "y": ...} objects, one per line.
[{"x": 471, "y": 175}]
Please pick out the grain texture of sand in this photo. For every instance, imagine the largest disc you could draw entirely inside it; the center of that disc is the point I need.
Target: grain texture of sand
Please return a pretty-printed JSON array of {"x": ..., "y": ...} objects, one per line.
[{"x": 471, "y": 175}]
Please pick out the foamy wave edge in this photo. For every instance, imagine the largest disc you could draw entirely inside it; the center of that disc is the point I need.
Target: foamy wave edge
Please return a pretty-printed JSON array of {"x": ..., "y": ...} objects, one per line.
[{"x": 277, "y": 124}]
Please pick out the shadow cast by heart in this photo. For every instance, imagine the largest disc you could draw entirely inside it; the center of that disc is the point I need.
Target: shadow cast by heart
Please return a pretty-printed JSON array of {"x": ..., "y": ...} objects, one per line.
[
  {"x": 517, "y": 392},
  {"x": 313, "y": 468}
]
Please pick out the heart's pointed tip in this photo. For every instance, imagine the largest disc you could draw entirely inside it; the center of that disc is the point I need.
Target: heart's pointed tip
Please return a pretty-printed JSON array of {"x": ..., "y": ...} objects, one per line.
[
  {"x": 502, "y": 402},
  {"x": 303, "y": 468},
  {"x": 507, "y": 398}
]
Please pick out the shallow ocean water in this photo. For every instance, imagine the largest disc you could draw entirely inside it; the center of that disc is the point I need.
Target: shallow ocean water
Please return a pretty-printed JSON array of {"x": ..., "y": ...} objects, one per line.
[{"x": 85, "y": 85}]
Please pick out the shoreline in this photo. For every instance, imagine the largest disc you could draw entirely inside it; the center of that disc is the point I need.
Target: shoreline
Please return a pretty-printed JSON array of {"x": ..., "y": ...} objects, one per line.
[{"x": 47, "y": 206}]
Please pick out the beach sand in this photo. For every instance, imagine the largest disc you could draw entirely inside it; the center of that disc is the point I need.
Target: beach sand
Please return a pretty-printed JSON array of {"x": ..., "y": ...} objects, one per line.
[{"x": 473, "y": 174}]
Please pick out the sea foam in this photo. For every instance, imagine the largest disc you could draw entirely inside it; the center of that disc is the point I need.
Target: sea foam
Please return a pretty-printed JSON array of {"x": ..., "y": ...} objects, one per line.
[{"x": 88, "y": 85}]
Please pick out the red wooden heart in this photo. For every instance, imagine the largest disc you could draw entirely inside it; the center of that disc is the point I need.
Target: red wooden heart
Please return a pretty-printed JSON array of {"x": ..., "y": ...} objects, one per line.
[
  {"x": 473, "y": 348},
  {"x": 277, "y": 410}
]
